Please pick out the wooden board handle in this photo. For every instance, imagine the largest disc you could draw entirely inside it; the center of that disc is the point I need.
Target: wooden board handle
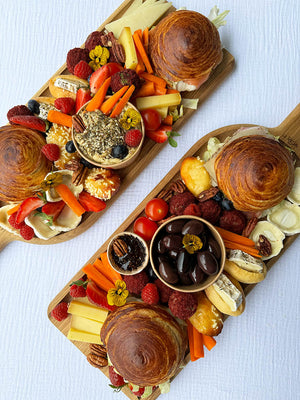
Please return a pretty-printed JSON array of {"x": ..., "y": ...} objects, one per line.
[
  {"x": 289, "y": 130},
  {"x": 5, "y": 238}
]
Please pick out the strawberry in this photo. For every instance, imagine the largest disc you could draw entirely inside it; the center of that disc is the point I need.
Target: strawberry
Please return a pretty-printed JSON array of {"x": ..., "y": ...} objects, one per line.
[
  {"x": 28, "y": 205},
  {"x": 83, "y": 70},
  {"x": 51, "y": 151},
  {"x": 133, "y": 137},
  {"x": 90, "y": 203},
  {"x": 139, "y": 392},
  {"x": 53, "y": 209},
  {"x": 30, "y": 121},
  {"x": 65, "y": 105},
  {"x": 83, "y": 95},
  {"x": 98, "y": 296},
  {"x": 162, "y": 134},
  {"x": 60, "y": 311},
  {"x": 26, "y": 232},
  {"x": 18, "y": 110},
  {"x": 150, "y": 294},
  {"x": 116, "y": 379},
  {"x": 99, "y": 76}
]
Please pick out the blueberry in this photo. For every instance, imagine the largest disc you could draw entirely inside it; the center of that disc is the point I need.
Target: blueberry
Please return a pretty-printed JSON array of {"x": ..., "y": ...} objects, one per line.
[
  {"x": 227, "y": 204},
  {"x": 87, "y": 163},
  {"x": 218, "y": 197},
  {"x": 34, "y": 106},
  {"x": 70, "y": 147},
  {"x": 119, "y": 151}
]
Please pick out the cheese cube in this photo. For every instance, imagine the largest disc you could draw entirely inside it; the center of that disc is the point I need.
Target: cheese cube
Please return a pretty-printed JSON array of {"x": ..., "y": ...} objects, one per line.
[{"x": 127, "y": 42}]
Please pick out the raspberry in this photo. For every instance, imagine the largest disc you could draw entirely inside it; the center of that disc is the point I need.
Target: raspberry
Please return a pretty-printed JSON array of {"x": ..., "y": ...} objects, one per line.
[
  {"x": 192, "y": 209},
  {"x": 77, "y": 290},
  {"x": 182, "y": 305},
  {"x": 163, "y": 290},
  {"x": 26, "y": 232},
  {"x": 83, "y": 70},
  {"x": 13, "y": 223},
  {"x": 135, "y": 283},
  {"x": 75, "y": 55},
  {"x": 60, "y": 311},
  {"x": 65, "y": 105},
  {"x": 179, "y": 202},
  {"x": 115, "y": 378},
  {"x": 210, "y": 210},
  {"x": 133, "y": 137},
  {"x": 51, "y": 151},
  {"x": 93, "y": 40},
  {"x": 18, "y": 110},
  {"x": 150, "y": 294}
]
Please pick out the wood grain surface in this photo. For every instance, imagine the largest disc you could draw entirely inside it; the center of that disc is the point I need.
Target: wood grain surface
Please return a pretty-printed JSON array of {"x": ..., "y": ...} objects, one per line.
[{"x": 289, "y": 133}]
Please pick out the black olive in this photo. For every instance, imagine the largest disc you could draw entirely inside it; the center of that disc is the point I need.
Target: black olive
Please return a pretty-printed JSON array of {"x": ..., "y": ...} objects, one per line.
[
  {"x": 184, "y": 262},
  {"x": 173, "y": 242},
  {"x": 207, "y": 262},
  {"x": 175, "y": 226},
  {"x": 196, "y": 274},
  {"x": 168, "y": 273},
  {"x": 193, "y": 227}
]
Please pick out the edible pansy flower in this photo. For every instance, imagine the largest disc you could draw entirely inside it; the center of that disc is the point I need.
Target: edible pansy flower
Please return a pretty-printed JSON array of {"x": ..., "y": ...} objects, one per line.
[
  {"x": 117, "y": 296},
  {"x": 130, "y": 119},
  {"x": 99, "y": 56},
  {"x": 192, "y": 243},
  {"x": 51, "y": 181}
]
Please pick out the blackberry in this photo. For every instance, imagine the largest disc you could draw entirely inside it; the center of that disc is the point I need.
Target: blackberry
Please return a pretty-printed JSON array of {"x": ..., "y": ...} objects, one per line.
[
  {"x": 218, "y": 197},
  {"x": 87, "y": 163},
  {"x": 34, "y": 106},
  {"x": 70, "y": 147},
  {"x": 119, "y": 151},
  {"x": 227, "y": 204}
]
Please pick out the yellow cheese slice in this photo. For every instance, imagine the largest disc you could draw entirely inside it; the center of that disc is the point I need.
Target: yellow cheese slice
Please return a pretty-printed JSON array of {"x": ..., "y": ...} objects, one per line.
[
  {"x": 127, "y": 42},
  {"x": 86, "y": 324},
  {"x": 81, "y": 336},
  {"x": 88, "y": 311},
  {"x": 165, "y": 100}
]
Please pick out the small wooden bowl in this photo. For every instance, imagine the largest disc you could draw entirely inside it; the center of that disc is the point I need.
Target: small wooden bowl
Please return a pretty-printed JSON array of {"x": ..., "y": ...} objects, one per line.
[
  {"x": 121, "y": 164},
  {"x": 210, "y": 279},
  {"x": 116, "y": 267}
]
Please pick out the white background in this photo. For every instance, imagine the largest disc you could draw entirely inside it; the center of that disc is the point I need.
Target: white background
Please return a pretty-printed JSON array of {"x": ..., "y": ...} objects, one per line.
[{"x": 257, "y": 354}]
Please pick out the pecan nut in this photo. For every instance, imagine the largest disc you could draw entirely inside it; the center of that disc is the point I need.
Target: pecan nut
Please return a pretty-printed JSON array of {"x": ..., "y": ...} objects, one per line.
[
  {"x": 98, "y": 350},
  {"x": 208, "y": 194},
  {"x": 97, "y": 361},
  {"x": 78, "y": 123},
  {"x": 165, "y": 194},
  {"x": 178, "y": 186},
  {"x": 251, "y": 224},
  {"x": 120, "y": 247},
  {"x": 73, "y": 165},
  {"x": 264, "y": 246},
  {"x": 79, "y": 175},
  {"x": 118, "y": 52}
]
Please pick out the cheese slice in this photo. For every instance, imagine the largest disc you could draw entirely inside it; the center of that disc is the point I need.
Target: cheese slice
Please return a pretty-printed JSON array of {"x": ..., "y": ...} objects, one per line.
[
  {"x": 88, "y": 311},
  {"x": 82, "y": 336},
  {"x": 127, "y": 42},
  {"x": 246, "y": 261},
  {"x": 86, "y": 324},
  {"x": 228, "y": 292},
  {"x": 164, "y": 100}
]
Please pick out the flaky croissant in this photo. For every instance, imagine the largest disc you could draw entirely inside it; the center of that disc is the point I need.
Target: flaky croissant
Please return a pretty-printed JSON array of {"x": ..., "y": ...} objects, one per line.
[
  {"x": 185, "y": 45},
  {"x": 22, "y": 164},
  {"x": 254, "y": 172},
  {"x": 145, "y": 343}
]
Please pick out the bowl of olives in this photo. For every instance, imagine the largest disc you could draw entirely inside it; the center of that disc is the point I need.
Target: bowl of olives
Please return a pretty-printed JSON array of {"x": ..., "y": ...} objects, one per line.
[{"x": 187, "y": 253}]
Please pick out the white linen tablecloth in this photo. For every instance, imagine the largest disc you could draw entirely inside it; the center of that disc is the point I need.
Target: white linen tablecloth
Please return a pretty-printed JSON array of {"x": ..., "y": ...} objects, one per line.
[{"x": 257, "y": 354}]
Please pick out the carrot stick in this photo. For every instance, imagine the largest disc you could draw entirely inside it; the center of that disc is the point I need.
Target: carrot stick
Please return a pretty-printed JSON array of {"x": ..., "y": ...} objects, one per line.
[
  {"x": 60, "y": 118},
  {"x": 146, "y": 90},
  {"x": 190, "y": 330},
  {"x": 170, "y": 91},
  {"x": 98, "y": 264},
  {"x": 168, "y": 120},
  {"x": 160, "y": 90},
  {"x": 99, "y": 97},
  {"x": 97, "y": 277},
  {"x": 208, "y": 341},
  {"x": 122, "y": 102},
  {"x": 140, "y": 65},
  {"x": 146, "y": 38},
  {"x": 155, "y": 79},
  {"x": 234, "y": 237},
  {"x": 13, "y": 209},
  {"x": 140, "y": 33},
  {"x": 69, "y": 198},
  {"x": 108, "y": 105},
  {"x": 141, "y": 50},
  {"x": 198, "y": 343},
  {"x": 113, "y": 274},
  {"x": 236, "y": 246}
]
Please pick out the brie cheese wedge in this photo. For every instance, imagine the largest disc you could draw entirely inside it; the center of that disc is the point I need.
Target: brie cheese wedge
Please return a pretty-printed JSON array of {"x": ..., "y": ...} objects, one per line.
[
  {"x": 246, "y": 261},
  {"x": 228, "y": 292},
  {"x": 4, "y": 220},
  {"x": 52, "y": 195}
]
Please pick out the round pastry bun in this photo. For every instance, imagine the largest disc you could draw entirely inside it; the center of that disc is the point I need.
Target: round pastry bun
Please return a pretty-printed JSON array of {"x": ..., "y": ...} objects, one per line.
[
  {"x": 254, "y": 172},
  {"x": 185, "y": 45},
  {"x": 145, "y": 344},
  {"x": 220, "y": 304},
  {"x": 59, "y": 92},
  {"x": 243, "y": 275}
]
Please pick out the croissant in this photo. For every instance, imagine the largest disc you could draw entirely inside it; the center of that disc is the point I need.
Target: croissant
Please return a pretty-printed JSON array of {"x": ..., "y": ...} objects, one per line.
[
  {"x": 145, "y": 343},
  {"x": 185, "y": 45},
  {"x": 254, "y": 172},
  {"x": 22, "y": 164}
]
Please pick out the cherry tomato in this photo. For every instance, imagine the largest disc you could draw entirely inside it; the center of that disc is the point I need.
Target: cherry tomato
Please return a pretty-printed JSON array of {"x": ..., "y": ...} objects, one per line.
[
  {"x": 144, "y": 227},
  {"x": 156, "y": 209},
  {"x": 151, "y": 118}
]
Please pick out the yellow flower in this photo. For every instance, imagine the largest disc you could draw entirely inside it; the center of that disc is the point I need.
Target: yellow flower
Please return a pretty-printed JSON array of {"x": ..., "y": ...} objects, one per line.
[
  {"x": 192, "y": 243},
  {"x": 51, "y": 181},
  {"x": 99, "y": 56},
  {"x": 118, "y": 295},
  {"x": 130, "y": 119}
]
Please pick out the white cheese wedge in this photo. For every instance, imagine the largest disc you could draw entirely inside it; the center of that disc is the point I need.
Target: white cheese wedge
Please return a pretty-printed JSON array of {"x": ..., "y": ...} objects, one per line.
[
  {"x": 272, "y": 233},
  {"x": 228, "y": 292},
  {"x": 286, "y": 216},
  {"x": 66, "y": 221},
  {"x": 4, "y": 220},
  {"x": 66, "y": 85},
  {"x": 246, "y": 261},
  {"x": 52, "y": 195},
  {"x": 41, "y": 229},
  {"x": 294, "y": 195}
]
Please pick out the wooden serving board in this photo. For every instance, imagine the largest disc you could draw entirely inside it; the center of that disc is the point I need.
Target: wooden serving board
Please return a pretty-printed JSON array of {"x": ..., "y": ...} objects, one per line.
[
  {"x": 289, "y": 133},
  {"x": 150, "y": 149}
]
